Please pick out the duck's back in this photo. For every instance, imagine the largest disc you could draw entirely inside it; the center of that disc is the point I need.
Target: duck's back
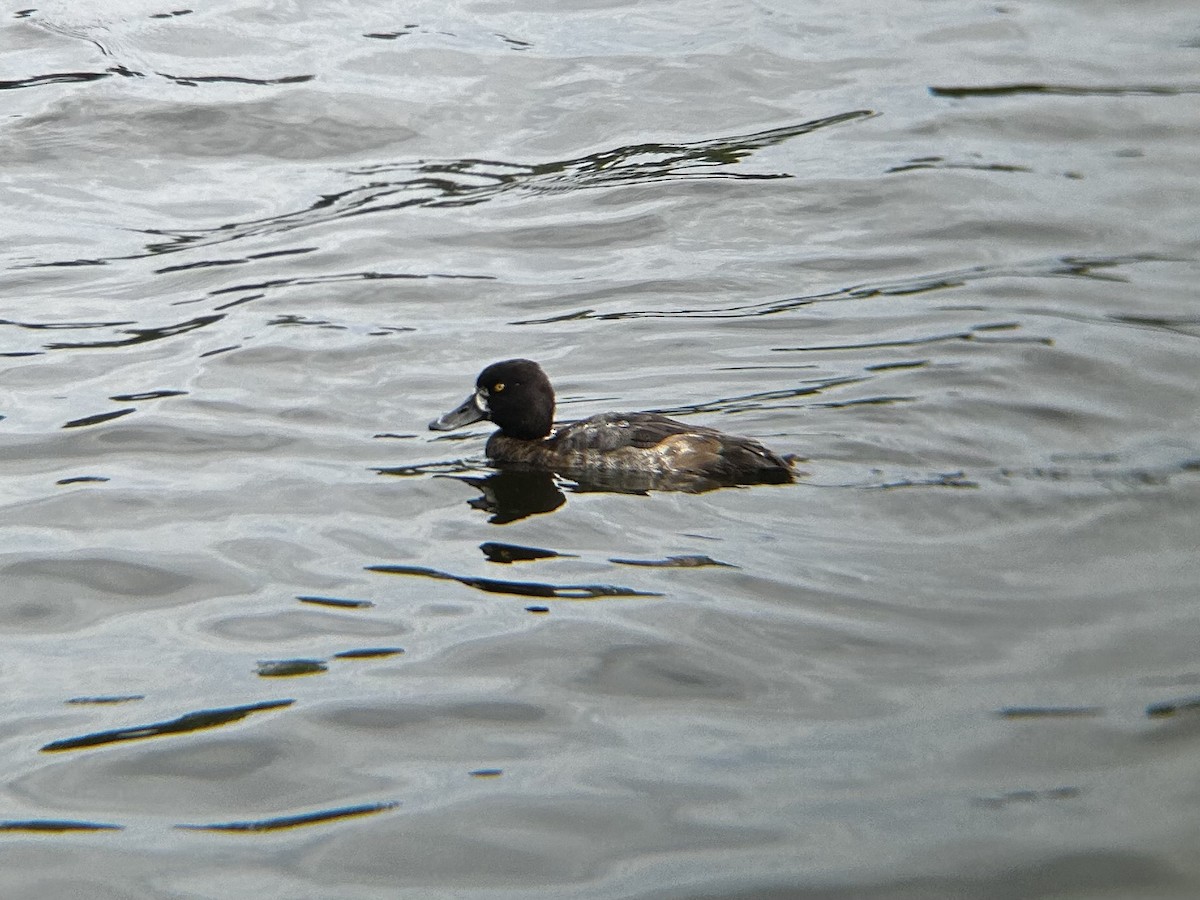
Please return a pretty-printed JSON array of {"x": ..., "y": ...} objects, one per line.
[{"x": 645, "y": 443}]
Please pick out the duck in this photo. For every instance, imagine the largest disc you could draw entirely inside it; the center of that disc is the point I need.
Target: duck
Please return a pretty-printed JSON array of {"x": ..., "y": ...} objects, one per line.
[{"x": 517, "y": 396}]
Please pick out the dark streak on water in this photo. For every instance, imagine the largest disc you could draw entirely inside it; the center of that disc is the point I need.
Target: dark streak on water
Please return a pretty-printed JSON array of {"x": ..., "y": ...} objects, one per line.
[
  {"x": 287, "y": 822},
  {"x": 55, "y": 826},
  {"x": 195, "y": 721},
  {"x": 519, "y": 588},
  {"x": 337, "y": 602},
  {"x": 1069, "y": 90}
]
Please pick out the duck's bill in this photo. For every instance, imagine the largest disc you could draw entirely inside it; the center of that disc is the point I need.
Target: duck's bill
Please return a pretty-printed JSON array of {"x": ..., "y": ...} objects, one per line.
[{"x": 471, "y": 410}]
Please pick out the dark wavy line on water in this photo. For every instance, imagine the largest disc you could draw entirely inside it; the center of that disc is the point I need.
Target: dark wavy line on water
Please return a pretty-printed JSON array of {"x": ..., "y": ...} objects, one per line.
[
  {"x": 512, "y": 42},
  {"x": 971, "y": 334},
  {"x": 1057, "y": 267},
  {"x": 140, "y": 335},
  {"x": 291, "y": 668},
  {"x": 237, "y": 260},
  {"x": 146, "y": 395},
  {"x": 184, "y": 80},
  {"x": 758, "y": 400},
  {"x": 519, "y": 588},
  {"x": 507, "y": 554},
  {"x": 39, "y": 326},
  {"x": 194, "y": 721},
  {"x": 131, "y": 336},
  {"x": 194, "y": 80},
  {"x": 336, "y": 602},
  {"x": 340, "y": 277},
  {"x": 940, "y": 163},
  {"x": 1066, "y": 90},
  {"x": 105, "y": 698},
  {"x": 53, "y": 78},
  {"x": 690, "y": 561},
  {"x": 284, "y": 822},
  {"x": 100, "y": 417},
  {"x": 56, "y": 826},
  {"x": 467, "y": 182}
]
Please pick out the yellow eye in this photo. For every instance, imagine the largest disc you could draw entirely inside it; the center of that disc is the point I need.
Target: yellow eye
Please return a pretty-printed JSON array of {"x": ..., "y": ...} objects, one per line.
[{"x": 497, "y": 387}]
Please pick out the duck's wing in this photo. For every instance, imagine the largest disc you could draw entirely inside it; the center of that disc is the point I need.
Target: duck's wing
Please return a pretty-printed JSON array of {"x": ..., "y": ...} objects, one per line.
[
  {"x": 652, "y": 442},
  {"x": 609, "y": 432}
]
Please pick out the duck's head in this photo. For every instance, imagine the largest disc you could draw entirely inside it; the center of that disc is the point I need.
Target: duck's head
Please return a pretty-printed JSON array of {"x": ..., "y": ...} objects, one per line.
[{"x": 515, "y": 394}]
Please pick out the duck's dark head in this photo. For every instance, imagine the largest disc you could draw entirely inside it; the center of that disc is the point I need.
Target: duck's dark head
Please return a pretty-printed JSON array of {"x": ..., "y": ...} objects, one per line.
[{"x": 515, "y": 394}]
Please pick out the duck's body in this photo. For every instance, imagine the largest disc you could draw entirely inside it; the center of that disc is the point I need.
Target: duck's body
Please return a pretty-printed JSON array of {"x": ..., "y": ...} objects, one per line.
[
  {"x": 619, "y": 443},
  {"x": 518, "y": 397}
]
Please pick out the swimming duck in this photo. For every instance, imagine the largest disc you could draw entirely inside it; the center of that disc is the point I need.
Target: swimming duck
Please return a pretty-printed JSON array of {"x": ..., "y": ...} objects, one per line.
[{"x": 517, "y": 396}]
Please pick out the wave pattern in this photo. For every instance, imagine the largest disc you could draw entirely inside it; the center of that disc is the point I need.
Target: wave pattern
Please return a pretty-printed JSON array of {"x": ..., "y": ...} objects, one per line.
[
  {"x": 1096, "y": 267},
  {"x": 466, "y": 182}
]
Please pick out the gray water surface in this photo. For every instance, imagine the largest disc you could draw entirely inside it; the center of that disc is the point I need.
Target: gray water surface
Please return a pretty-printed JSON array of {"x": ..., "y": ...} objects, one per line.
[{"x": 265, "y": 635}]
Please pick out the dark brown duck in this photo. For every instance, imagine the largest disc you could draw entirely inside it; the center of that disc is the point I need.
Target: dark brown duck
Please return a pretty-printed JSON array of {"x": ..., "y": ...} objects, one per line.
[{"x": 517, "y": 396}]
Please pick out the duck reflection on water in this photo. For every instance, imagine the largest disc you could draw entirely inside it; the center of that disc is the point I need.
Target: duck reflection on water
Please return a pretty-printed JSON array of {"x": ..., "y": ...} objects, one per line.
[{"x": 514, "y": 493}]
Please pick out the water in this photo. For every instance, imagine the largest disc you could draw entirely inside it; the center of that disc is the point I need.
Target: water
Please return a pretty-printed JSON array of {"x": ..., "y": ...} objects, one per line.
[{"x": 266, "y": 635}]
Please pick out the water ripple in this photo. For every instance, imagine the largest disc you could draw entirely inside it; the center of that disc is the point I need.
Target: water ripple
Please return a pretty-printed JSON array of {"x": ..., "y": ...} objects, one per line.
[
  {"x": 466, "y": 182},
  {"x": 280, "y": 823},
  {"x": 56, "y": 826},
  {"x": 1057, "y": 267},
  {"x": 194, "y": 721},
  {"x": 520, "y": 588},
  {"x": 54, "y": 78},
  {"x": 1067, "y": 90}
]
